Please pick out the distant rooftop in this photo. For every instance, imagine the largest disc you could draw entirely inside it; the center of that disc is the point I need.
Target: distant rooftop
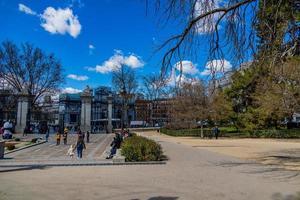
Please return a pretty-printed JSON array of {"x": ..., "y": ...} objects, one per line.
[{"x": 69, "y": 97}]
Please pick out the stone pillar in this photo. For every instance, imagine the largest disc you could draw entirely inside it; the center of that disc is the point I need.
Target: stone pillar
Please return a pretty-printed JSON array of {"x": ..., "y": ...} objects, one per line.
[
  {"x": 109, "y": 114},
  {"x": 22, "y": 111},
  {"x": 86, "y": 110}
]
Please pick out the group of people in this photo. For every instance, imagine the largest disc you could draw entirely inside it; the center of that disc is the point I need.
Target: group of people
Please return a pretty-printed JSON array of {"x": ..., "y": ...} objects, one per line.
[
  {"x": 6, "y": 130},
  {"x": 79, "y": 145}
]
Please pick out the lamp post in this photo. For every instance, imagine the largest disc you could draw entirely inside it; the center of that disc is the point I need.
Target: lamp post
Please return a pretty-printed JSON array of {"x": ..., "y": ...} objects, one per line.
[
  {"x": 123, "y": 94},
  {"x": 62, "y": 111}
]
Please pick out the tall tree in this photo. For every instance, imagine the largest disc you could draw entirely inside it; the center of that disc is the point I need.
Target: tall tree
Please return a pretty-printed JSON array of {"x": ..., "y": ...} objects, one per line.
[
  {"x": 155, "y": 89},
  {"x": 29, "y": 69},
  {"x": 124, "y": 80},
  {"x": 190, "y": 105},
  {"x": 155, "y": 86},
  {"x": 242, "y": 22}
]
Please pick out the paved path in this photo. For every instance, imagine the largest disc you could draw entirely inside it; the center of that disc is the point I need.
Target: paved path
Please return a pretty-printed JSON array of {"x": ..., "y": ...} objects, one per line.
[
  {"x": 191, "y": 173},
  {"x": 51, "y": 153}
]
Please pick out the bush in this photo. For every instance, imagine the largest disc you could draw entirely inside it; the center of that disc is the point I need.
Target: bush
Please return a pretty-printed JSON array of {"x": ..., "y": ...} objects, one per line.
[
  {"x": 276, "y": 133},
  {"x": 137, "y": 148},
  {"x": 10, "y": 147},
  {"x": 233, "y": 132},
  {"x": 17, "y": 139}
]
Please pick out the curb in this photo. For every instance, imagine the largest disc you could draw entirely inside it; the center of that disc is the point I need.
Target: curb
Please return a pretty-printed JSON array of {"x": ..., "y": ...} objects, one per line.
[
  {"x": 25, "y": 147},
  {"x": 83, "y": 164}
]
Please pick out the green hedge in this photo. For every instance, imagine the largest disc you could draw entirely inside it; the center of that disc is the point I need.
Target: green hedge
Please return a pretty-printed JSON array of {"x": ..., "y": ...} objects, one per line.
[
  {"x": 137, "y": 148},
  {"x": 233, "y": 132},
  {"x": 274, "y": 133}
]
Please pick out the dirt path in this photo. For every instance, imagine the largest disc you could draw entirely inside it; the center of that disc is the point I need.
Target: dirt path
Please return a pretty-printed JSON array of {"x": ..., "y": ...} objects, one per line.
[{"x": 284, "y": 153}]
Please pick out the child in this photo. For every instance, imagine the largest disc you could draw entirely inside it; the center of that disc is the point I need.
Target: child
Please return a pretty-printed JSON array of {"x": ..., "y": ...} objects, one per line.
[
  {"x": 58, "y": 138},
  {"x": 71, "y": 151}
]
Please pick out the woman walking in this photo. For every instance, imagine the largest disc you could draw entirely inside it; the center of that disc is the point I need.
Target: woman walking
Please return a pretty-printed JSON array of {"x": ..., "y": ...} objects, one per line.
[{"x": 80, "y": 145}]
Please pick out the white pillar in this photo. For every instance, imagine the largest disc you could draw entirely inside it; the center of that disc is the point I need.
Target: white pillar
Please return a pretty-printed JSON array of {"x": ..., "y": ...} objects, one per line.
[
  {"x": 22, "y": 113},
  {"x": 109, "y": 114},
  {"x": 86, "y": 111}
]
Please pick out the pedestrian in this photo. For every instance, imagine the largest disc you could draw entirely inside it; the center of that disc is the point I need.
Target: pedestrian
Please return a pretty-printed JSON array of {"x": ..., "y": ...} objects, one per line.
[
  {"x": 116, "y": 144},
  {"x": 216, "y": 132},
  {"x": 83, "y": 135},
  {"x": 65, "y": 136},
  {"x": 80, "y": 145},
  {"x": 26, "y": 130},
  {"x": 58, "y": 136},
  {"x": 79, "y": 133},
  {"x": 87, "y": 137},
  {"x": 7, "y": 133},
  {"x": 47, "y": 134}
]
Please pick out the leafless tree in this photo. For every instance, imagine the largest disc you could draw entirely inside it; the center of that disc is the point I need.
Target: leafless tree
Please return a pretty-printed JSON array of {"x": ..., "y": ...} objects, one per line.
[
  {"x": 225, "y": 28},
  {"x": 124, "y": 80},
  {"x": 28, "y": 69},
  {"x": 155, "y": 89},
  {"x": 155, "y": 86}
]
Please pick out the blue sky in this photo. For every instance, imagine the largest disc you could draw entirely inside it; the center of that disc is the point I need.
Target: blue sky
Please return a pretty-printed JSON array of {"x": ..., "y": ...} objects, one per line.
[{"x": 90, "y": 36}]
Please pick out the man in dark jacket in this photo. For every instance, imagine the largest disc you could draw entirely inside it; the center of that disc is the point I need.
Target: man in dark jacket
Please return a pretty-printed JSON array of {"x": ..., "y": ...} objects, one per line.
[{"x": 216, "y": 132}]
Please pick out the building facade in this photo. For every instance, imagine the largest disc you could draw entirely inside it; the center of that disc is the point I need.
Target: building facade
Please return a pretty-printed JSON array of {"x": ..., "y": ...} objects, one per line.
[{"x": 70, "y": 109}]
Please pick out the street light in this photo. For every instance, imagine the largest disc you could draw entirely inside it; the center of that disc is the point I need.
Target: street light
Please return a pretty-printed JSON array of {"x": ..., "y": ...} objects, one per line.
[{"x": 125, "y": 96}]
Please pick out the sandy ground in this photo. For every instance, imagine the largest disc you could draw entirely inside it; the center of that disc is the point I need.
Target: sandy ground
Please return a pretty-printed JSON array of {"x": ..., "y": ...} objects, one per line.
[{"x": 285, "y": 153}]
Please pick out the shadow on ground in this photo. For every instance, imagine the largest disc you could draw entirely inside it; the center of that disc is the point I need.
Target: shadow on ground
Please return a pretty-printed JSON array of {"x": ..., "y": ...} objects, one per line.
[
  {"x": 279, "y": 196},
  {"x": 267, "y": 170},
  {"x": 160, "y": 198},
  {"x": 3, "y": 170}
]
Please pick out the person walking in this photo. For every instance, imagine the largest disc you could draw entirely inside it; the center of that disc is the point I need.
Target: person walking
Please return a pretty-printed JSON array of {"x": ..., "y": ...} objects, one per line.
[
  {"x": 87, "y": 137},
  {"x": 216, "y": 132},
  {"x": 80, "y": 145},
  {"x": 65, "y": 136},
  {"x": 79, "y": 133},
  {"x": 47, "y": 134},
  {"x": 58, "y": 136}
]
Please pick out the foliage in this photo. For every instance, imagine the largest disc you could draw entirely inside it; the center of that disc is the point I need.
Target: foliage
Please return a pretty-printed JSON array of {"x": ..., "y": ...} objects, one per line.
[
  {"x": 221, "y": 109},
  {"x": 137, "y": 148},
  {"x": 235, "y": 133},
  {"x": 189, "y": 106}
]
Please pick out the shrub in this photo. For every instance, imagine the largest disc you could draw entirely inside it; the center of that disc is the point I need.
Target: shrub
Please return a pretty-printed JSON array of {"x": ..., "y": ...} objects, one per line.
[
  {"x": 10, "y": 147},
  {"x": 232, "y": 132},
  {"x": 17, "y": 139},
  {"x": 137, "y": 148}
]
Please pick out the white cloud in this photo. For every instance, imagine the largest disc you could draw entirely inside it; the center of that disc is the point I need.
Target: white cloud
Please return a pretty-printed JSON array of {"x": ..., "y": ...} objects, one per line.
[
  {"x": 116, "y": 61},
  {"x": 71, "y": 90},
  {"x": 26, "y": 9},
  {"x": 91, "y": 46},
  {"x": 207, "y": 24},
  {"x": 60, "y": 21},
  {"x": 177, "y": 79},
  {"x": 216, "y": 66},
  {"x": 77, "y": 77},
  {"x": 91, "y": 49},
  {"x": 187, "y": 67}
]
